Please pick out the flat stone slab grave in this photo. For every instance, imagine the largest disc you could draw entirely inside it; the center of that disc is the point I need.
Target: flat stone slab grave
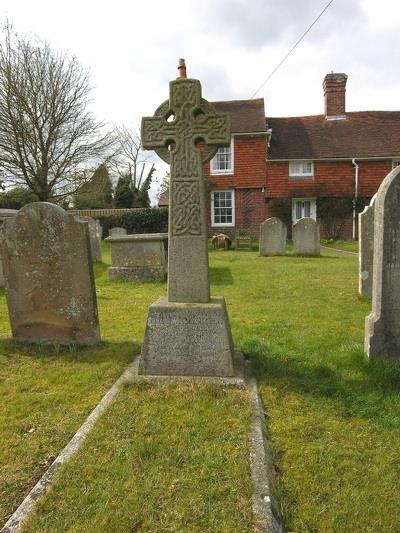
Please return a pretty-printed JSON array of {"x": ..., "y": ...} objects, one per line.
[
  {"x": 264, "y": 504},
  {"x": 138, "y": 257}
]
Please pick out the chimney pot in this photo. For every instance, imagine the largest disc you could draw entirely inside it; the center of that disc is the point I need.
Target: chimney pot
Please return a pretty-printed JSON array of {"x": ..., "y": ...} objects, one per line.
[
  {"x": 335, "y": 95},
  {"x": 182, "y": 68}
]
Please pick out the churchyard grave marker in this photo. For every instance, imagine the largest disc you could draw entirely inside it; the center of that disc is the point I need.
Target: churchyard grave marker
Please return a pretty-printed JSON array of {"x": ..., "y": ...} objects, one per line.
[
  {"x": 306, "y": 238},
  {"x": 366, "y": 249},
  {"x": 273, "y": 234},
  {"x": 187, "y": 333},
  {"x": 49, "y": 277},
  {"x": 382, "y": 326}
]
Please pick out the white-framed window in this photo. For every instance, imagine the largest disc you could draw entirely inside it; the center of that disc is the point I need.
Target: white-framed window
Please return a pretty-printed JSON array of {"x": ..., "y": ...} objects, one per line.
[
  {"x": 222, "y": 162},
  {"x": 395, "y": 163},
  {"x": 301, "y": 170},
  {"x": 303, "y": 207},
  {"x": 223, "y": 208}
]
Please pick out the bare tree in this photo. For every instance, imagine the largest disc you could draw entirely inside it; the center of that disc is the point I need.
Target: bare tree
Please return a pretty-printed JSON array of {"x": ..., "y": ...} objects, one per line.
[
  {"x": 130, "y": 159},
  {"x": 48, "y": 137}
]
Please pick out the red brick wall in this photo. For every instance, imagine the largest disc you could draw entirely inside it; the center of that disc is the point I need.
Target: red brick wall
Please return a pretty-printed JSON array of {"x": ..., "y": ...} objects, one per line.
[
  {"x": 249, "y": 165},
  {"x": 331, "y": 178}
]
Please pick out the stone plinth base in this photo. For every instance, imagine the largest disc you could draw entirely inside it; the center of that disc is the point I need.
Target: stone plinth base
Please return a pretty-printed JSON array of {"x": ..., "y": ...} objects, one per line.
[
  {"x": 138, "y": 274},
  {"x": 187, "y": 339}
]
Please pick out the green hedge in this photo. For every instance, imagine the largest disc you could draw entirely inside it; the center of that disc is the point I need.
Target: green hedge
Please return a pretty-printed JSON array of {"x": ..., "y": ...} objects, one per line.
[{"x": 151, "y": 220}]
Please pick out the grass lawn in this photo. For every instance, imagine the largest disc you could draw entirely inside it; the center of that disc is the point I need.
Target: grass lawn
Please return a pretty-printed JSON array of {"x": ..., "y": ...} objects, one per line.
[
  {"x": 347, "y": 246},
  {"x": 334, "y": 419}
]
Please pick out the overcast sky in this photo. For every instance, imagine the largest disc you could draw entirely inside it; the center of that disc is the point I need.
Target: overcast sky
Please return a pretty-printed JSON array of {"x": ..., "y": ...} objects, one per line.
[{"x": 131, "y": 49}]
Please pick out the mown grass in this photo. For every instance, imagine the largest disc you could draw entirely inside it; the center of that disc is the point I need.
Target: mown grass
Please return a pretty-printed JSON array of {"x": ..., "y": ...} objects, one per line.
[
  {"x": 333, "y": 417},
  {"x": 339, "y": 244},
  {"x": 172, "y": 457},
  {"x": 47, "y": 392}
]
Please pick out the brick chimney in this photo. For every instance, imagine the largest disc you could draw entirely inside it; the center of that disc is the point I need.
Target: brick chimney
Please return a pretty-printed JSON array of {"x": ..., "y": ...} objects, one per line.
[
  {"x": 335, "y": 95},
  {"x": 182, "y": 68}
]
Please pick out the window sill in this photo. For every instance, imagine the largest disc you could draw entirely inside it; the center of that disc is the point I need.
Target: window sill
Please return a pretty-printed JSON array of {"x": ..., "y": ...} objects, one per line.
[
  {"x": 219, "y": 225},
  {"x": 223, "y": 172},
  {"x": 307, "y": 178}
]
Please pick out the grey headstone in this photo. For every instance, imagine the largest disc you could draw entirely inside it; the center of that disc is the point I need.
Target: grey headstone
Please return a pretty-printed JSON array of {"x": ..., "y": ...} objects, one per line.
[
  {"x": 306, "y": 239},
  {"x": 49, "y": 277},
  {"x": 382, "y": 326},
  {"x": 366, "y": 249},
  {"x": 273, "y": 237},
  {"x": 4, "y": 215},
  {"x": 94, "y": 236},
  {"x": 138, "y": 257},
  {"x": 187, "y": 334},
  {"x": 116, "y": 232}
]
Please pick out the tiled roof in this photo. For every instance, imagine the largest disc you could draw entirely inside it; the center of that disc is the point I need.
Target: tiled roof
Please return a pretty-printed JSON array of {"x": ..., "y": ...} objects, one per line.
[
  {"x": 362, "y": 134},
  {"x": 247, "y": 116},
  {"x": 164, "y": 199}
]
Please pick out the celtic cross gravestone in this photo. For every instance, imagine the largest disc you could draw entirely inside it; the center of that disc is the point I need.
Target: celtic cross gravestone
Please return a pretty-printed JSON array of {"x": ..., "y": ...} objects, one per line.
[
  {"x": 188, "y": 333},
  {"x": 175, "y": 132}
]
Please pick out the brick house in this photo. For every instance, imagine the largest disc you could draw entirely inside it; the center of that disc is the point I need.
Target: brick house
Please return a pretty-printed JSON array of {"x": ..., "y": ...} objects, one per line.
[{"x": 325, "y": 166}]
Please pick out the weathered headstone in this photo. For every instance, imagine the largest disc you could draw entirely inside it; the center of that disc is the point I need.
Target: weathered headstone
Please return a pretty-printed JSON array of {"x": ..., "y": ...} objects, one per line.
[
  {"x": 273, "y": 234},
  {"x": 306, "y": 238},
  {"x": 4, "y": 215},
  {"x": 94, "y": 236},
  {"x": 188, "y": 333},
  {"x": 382, "y": 326},
  {"x": 366, "y": 249},
  {"x": 138, "y": 257},
  {"x": 117, "y": 232},
  {"x": 49, "y": 277}
]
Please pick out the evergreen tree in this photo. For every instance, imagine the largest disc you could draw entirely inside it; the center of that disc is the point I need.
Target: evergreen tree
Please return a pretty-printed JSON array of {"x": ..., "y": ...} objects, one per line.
[
  {"x": 124, "y": 195},
  {"x": 96, "y": 193}
]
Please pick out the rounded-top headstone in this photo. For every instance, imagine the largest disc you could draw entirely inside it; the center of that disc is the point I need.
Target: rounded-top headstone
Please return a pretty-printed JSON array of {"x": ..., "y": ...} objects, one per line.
[
  {"x": 382, "y": 326},
  {"x": 273, "y": 237},
  {"x": 49, "y": 278},
  {"x": 306, "y": 237}
]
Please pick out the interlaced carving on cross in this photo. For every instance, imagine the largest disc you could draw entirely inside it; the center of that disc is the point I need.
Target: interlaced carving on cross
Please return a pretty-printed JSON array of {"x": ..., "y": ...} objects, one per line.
[{"x": 180, "y": 124}]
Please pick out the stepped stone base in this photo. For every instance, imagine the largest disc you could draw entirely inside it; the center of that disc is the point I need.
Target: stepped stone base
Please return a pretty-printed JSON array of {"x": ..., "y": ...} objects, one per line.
[{"x": 187, "y": 339}]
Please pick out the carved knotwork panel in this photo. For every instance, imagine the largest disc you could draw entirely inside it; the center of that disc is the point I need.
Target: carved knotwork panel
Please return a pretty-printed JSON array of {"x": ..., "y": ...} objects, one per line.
[
  {"x": 186, "y": 214},
  {"x": 194, "y": 118}
]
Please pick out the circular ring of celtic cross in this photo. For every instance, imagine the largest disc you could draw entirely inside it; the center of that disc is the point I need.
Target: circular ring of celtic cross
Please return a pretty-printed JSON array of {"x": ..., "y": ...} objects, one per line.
[{"x": 200, "y": 115}]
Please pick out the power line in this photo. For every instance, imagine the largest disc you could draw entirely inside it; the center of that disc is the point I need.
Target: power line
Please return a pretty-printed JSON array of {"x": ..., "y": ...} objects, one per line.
[{"x": 293, "y": 47}]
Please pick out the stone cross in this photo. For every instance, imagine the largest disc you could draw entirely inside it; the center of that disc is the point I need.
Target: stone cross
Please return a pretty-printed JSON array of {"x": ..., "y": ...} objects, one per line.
[{"x": 180, "y": 127}]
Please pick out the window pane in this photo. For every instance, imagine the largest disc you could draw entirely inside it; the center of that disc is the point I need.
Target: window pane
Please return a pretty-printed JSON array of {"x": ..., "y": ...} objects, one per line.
[
  {"x": 307, "y": 209},
  {"x": 298, "y": 210}
]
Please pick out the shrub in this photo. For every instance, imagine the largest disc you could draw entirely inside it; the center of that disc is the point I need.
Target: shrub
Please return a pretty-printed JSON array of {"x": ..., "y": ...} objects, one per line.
[
  {"x": 16, "y": 198},
  {"x": 141, "y": 220}
]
